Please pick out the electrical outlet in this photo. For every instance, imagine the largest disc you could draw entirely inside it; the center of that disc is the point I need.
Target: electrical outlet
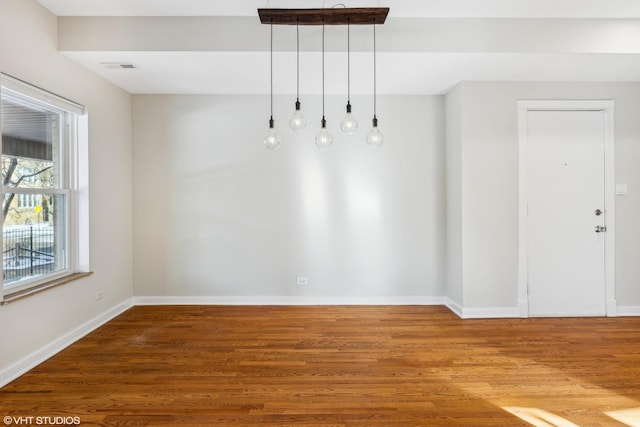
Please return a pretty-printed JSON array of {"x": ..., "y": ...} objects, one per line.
[
  {"x": 302, "y": 280},
  {"x": 99, "y": 295}
]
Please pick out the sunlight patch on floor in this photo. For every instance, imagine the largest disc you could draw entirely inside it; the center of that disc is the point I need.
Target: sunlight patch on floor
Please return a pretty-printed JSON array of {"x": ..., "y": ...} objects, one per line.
[
  {"x": 630, "y": 417},
  {"x": 557, "y": 399},
  {"x": 538, "y": 417}
]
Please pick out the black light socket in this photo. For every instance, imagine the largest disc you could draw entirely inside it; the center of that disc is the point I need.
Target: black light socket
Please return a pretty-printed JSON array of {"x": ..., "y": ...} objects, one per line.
[
  {"x": 348, "y": 107},
  {"x": 323, "y": 122},
  {"x": 271, "y": 122},
  {"x": 375, "y": 122},
  {"x": 297, "y": 105}
]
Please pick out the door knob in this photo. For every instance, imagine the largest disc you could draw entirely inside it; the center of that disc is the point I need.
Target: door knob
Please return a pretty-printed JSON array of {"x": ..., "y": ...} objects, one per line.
[
  {"x": 600, "y": 229},
  {"x": 598, "y": 212}
]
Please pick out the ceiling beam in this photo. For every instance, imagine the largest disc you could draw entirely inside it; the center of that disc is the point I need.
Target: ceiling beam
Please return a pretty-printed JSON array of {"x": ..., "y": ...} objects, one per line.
[
  {"x": 333, "y": 16},
  {"x": 115, "y": 34}
]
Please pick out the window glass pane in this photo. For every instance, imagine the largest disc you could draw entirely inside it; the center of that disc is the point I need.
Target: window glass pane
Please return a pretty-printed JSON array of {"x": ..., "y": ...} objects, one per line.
[
  {"x": 34, "y": 241},
  {"x": 31, "y": 138},
  {"x": 35, "y": 220},
  {"x": 27, "y": 173}
]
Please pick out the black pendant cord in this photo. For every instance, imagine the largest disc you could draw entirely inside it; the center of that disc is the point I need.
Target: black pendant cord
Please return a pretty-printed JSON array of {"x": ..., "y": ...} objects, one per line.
[
  {"x": 271, "y": 84},
  {"x": 323, "y": 119},
  {"x": 349, "y": 64},
  {"x": 297, "y": 64},
  {"x": 374, "y": 72}
]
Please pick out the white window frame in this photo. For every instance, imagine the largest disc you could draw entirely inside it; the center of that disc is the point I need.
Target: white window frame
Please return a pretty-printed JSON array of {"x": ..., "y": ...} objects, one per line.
[{"x": 74, "y": 175}]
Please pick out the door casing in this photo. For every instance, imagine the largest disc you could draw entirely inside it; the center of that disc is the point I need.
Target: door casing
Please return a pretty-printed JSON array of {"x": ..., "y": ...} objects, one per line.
[{"x": 607, "y": 106}]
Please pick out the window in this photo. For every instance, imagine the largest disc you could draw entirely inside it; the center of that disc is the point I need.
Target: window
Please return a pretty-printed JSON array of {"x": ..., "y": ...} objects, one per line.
[{"x": 43, "y": 237}]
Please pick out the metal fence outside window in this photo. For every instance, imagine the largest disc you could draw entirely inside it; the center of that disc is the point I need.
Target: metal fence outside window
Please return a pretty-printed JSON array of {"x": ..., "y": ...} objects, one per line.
[{"x": 28, "y": 252}]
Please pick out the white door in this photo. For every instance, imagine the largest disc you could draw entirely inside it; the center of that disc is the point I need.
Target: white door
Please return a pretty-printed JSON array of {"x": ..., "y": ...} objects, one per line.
[{"x": 566, "y": 203}]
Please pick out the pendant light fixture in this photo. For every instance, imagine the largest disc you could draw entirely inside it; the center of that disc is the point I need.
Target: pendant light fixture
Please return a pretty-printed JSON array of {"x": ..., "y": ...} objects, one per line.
[
  {"x": 272, "y": 138},
  {"x": 349, "y": 124},
  {"x": 374, "y": 137},
  {"x": 331, "y": 16},
  {"x": 323, "y": 138},
  {"x": 297, "y": 121}
]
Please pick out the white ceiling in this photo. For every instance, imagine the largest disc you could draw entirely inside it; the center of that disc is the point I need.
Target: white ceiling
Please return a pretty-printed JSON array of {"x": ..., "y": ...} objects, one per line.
[
  {"x": 613, "y": 56},
  {"x": 399, "y": 8}
]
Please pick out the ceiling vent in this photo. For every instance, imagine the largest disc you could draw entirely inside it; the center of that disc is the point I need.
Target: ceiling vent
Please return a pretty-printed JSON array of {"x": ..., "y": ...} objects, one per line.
[{"x": 118, "y": 65}]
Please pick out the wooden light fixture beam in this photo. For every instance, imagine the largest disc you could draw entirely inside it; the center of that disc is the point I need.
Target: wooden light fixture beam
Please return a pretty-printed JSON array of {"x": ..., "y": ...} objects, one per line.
[{"x": 333, "y": 16}]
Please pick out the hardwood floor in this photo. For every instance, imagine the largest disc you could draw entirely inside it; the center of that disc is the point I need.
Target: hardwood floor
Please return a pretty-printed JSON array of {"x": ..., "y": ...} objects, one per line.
[{"x": 337, "y": 366}]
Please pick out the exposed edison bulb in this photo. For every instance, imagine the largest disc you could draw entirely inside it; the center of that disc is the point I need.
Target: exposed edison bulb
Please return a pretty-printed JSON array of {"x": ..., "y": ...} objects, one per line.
[
  {"x": 324, "y": 138},
  {"x": 297, "y": 121},
  {"x": 349, "y": 124},
  {"x": 375, "y": 137},
  {"x": 272, "y": 138}
]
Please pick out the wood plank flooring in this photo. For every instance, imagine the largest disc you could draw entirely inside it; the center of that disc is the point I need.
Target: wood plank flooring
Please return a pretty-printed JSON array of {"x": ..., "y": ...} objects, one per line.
[{"x": 368, "y": 366}]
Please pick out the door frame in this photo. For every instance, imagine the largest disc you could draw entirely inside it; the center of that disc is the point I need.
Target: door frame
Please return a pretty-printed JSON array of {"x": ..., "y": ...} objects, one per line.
[{"x": 607, "y": 107}]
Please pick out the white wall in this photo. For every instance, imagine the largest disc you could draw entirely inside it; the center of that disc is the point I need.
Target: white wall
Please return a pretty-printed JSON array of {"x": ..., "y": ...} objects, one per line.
[
  {"x": 490, "y": 181},
  {"x": 216, "y": 214},
  {"x": 454, "y": 262},
  {"x": 28, "y": 52}
]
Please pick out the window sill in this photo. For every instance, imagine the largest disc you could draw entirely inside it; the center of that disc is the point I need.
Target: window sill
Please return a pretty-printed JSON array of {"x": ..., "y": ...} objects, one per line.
[{"x": 43, "y": 287}]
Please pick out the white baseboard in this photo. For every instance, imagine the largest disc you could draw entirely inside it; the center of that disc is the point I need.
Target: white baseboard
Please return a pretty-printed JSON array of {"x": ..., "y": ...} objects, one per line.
[
  {"x": 286, "y": 300},
  {"x": 523, "y": 308},
  {"x": 481, "y": 313},
  {"x": 37, "y": 357},
  {"x": 453, "y": 306},
  {"x": 465, "y": 313},
  {"x": 628, "y": 311}
]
